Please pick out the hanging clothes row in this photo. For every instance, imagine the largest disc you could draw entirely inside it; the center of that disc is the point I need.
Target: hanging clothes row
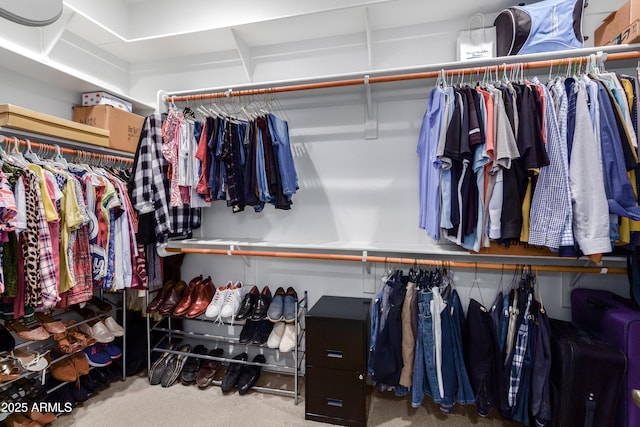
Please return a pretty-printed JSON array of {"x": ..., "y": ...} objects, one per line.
[
  {"x": 209, "y": 154},
  {"x": 421, "y": 344},
  {"x": 66, "y": 229},
  {"x": 515, "y": 160}
]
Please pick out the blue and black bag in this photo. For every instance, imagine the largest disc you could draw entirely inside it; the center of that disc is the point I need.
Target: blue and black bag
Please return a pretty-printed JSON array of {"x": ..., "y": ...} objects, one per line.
[{"x": 546, "y": 26}]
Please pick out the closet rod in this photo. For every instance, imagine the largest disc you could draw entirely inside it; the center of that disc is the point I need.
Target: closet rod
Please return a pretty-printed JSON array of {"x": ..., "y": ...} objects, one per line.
[
  {"x": 396, "y": 77},
  {"x": 65, "y": 150},
  {"x": 393, "y": 260}
]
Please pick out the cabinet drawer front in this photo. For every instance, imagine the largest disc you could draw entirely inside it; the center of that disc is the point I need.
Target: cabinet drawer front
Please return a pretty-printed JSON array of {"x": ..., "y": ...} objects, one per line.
[
  {"x": 336, "y": 344},
  {"x": 335, "y": 393}
]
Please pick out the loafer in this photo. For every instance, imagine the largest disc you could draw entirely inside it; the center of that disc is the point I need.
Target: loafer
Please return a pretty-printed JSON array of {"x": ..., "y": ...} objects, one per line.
[
  {"x": 113, "y": 326},
  {"x": 189, "y": 372},
  {"x": 247, "y": 304},
  {"x": 290, "y": 303},
  {"x": 187, "y": 297},
  {"x": 158, "y": 367},
  {"x": 204, "y": 293},
  {"x": 275, "y": 313},
  {"x": 209, "y": 368},
  {"x": 248, "y": 331},
  {"x": 262, "y": 305},
  {"x": 175, "y": 295},
  {"x": 174, "y": 366},
  {"x": 276, "y": 335},
  {"x": 250, "y": 374},
  {"x": 161, "y": 296},
  {"x": 288, "y": 341},
  {"x": 232, "y": 374},
  {"x": 262, "y": 332},
  {"x": 99, "y": 331}
]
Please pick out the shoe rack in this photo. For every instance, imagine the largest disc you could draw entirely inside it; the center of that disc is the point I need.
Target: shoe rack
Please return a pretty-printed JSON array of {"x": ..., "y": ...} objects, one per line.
[
  {"x": 227, "y": 335},
  {"x": 42, "y": 378}
]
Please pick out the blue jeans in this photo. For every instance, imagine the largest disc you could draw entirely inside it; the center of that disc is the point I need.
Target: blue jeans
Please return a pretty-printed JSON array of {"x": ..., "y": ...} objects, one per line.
[
  {"x": 279, "y": 131},
  {"x": 425, "y": 380}
]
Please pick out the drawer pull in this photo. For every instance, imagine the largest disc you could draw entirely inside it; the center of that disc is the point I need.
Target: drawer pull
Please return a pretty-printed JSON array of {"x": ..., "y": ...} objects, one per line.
[
  {"x": 334, "y": 354},
  {"x": 334, "y": 402}
]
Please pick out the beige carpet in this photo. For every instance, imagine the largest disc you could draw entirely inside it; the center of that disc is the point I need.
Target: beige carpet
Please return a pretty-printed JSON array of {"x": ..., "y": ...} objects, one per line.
[{"x": 134, "y": 403}]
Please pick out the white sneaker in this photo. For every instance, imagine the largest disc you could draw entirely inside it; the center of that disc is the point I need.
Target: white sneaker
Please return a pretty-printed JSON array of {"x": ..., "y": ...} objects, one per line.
[
  {"x": 288, "y": 341},
  {"x": 113, "y": 326},
  {"x": 232, "y": 301},
  {"x": 276, "y": 335},
  {"x": 213, "y": 310}
]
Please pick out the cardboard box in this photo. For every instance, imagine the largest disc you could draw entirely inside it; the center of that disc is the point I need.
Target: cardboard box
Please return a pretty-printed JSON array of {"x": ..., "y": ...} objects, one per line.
[
  {"x": 104, "y": 98},
  {"x": 620, "y": 27},
  {"x": 124, "y": 128}
]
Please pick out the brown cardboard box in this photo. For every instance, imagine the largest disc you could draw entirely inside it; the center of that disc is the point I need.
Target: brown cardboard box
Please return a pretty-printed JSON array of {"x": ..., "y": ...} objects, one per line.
[
  {"x": 124, "y": 127},
  {"x": 620, "y": 27}
]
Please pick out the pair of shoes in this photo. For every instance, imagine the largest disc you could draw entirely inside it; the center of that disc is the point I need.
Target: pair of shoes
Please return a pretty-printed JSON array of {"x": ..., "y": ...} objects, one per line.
[
  {"x": 226, "y": 301},
  {"x": 35, "y": 334},
  {"x": 70, "y": 368},
  {"x": 189, "y": 373},
  {"x": 255, "y": 304},
  {"x": 282, "y": 337},
  {"x": 72, "y": 339},
  {"x": 16, "y": 419},
  {"x": 42, "y": 418},
  {"x": 209, "y": 368},
  {"x": 256, "y": 332},
  {"x": 174, "y": 366},
  {"x": 104, "y": 331},
  {"x": 242, "y": 375},
  {"x": 51, "y": 325},
  {"x": 168, "y": 298},
  {"x": 196, "y": 297},
  {"x": 283, "y": 306},
  {"x": 99, "y": 355}
]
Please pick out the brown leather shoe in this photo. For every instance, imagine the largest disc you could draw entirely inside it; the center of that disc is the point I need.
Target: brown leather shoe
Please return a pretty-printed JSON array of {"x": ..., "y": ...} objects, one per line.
[
  {"x": 188, "y": 297},
  {"x": 160, "y": 297},
  {"x": 18, "y": 420},
  {"x": 174, "y": 297},
  {"x": 42, "y": 418},
  {"x": 204, "y": 295}
]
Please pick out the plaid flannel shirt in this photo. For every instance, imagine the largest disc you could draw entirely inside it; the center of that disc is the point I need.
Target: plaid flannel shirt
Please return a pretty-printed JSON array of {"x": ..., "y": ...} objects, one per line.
[
  {"x": 150, "y": 186},
  {"x": 518, "y": 356}
]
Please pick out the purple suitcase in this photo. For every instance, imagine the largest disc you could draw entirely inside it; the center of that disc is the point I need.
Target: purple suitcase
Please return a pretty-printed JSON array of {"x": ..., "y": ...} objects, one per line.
[{"x": 613, "y": 319}]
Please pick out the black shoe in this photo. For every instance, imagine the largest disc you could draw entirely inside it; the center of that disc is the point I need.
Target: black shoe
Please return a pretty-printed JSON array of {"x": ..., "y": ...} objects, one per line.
[
  {"x": 248, "y": 331},
  {"x": 79, "y": 393},
  {"x": 248, "y": 303},
  {"x": 262, "y": 305},
  {"x": 250, "y": 374},
  {"x": 233, "y": 372},
  {"x": 262, "y": 332},
  {"x": 192, "y": 365},
  {"x": 90, "y": 384}
]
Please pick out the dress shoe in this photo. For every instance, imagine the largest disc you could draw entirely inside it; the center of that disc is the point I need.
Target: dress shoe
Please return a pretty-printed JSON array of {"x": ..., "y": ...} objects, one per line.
[
  {"x": 275, "y": 313},
  {"x": 213, "y": 310},
  {"x": 262, "y": 305},
  {"x": 172, "y": 300},
  {"x": 262, "y": 332},
  {"x": 248, "y": 331},
  {"x": 276, "y": 335},
  {"x": 162, "y": 295},
  {"x": 204, "y": 293},
  {"x": 187, "y": 298},
  {"x": 248, "y": 303},
  {"x": 208, "y": 368},
  {"x": 189, "y": 372},
  {"x": 231, "y": 376},
  {"x": 290, "y": 305},
  {"x": 250, "y": 375}
]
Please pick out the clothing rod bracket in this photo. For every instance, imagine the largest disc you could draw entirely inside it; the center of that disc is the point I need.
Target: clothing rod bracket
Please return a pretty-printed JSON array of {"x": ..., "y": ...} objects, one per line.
[{"x": 371, "y": 113}]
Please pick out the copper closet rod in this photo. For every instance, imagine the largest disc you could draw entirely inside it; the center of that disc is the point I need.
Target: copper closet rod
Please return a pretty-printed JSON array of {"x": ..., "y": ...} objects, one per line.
[
  {"x": 65, "y": 150},
  {"x": 396, "y": 77},
  {"x": 408, "y": 261}
]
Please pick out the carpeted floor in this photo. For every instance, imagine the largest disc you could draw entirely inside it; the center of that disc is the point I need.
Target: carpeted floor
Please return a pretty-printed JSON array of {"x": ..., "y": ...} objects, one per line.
[{"x": 135, "y": 403}]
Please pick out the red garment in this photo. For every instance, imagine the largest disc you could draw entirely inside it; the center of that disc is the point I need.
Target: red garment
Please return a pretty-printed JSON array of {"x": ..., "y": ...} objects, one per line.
[{"x": 202, "y": 187}]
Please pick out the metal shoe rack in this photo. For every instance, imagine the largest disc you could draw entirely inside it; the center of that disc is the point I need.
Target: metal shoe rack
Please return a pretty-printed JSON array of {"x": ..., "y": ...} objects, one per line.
[{"x": 277, "y": 362}]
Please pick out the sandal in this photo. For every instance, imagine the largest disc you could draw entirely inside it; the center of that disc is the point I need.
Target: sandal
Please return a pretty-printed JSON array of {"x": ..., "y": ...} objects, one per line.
[
  {"x": 67, "y": 343},
  {"x": 9, "y": 371},
  {"x": 35, "y": 334},
  {"x": 32, "y": 362},
  {"x": 82, "y": 338},
  {"x": 52, "y": 325}
]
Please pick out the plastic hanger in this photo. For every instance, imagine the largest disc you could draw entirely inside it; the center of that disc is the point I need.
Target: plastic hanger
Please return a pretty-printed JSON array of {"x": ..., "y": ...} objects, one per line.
[{"x": 31, "y": 156}]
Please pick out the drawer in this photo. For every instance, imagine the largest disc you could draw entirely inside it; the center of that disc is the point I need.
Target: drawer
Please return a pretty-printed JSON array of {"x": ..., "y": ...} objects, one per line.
[
  {"x": 336, "y": 343},
  {"x": 335, "y": 394}
]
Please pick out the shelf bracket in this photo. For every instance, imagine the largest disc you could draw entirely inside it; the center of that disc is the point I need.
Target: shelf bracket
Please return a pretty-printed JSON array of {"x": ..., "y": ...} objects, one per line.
[
  {"x": 244, "y": 258},
  {"x": 367, "y": 265},
  {"x": 371, "y": 113}
]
